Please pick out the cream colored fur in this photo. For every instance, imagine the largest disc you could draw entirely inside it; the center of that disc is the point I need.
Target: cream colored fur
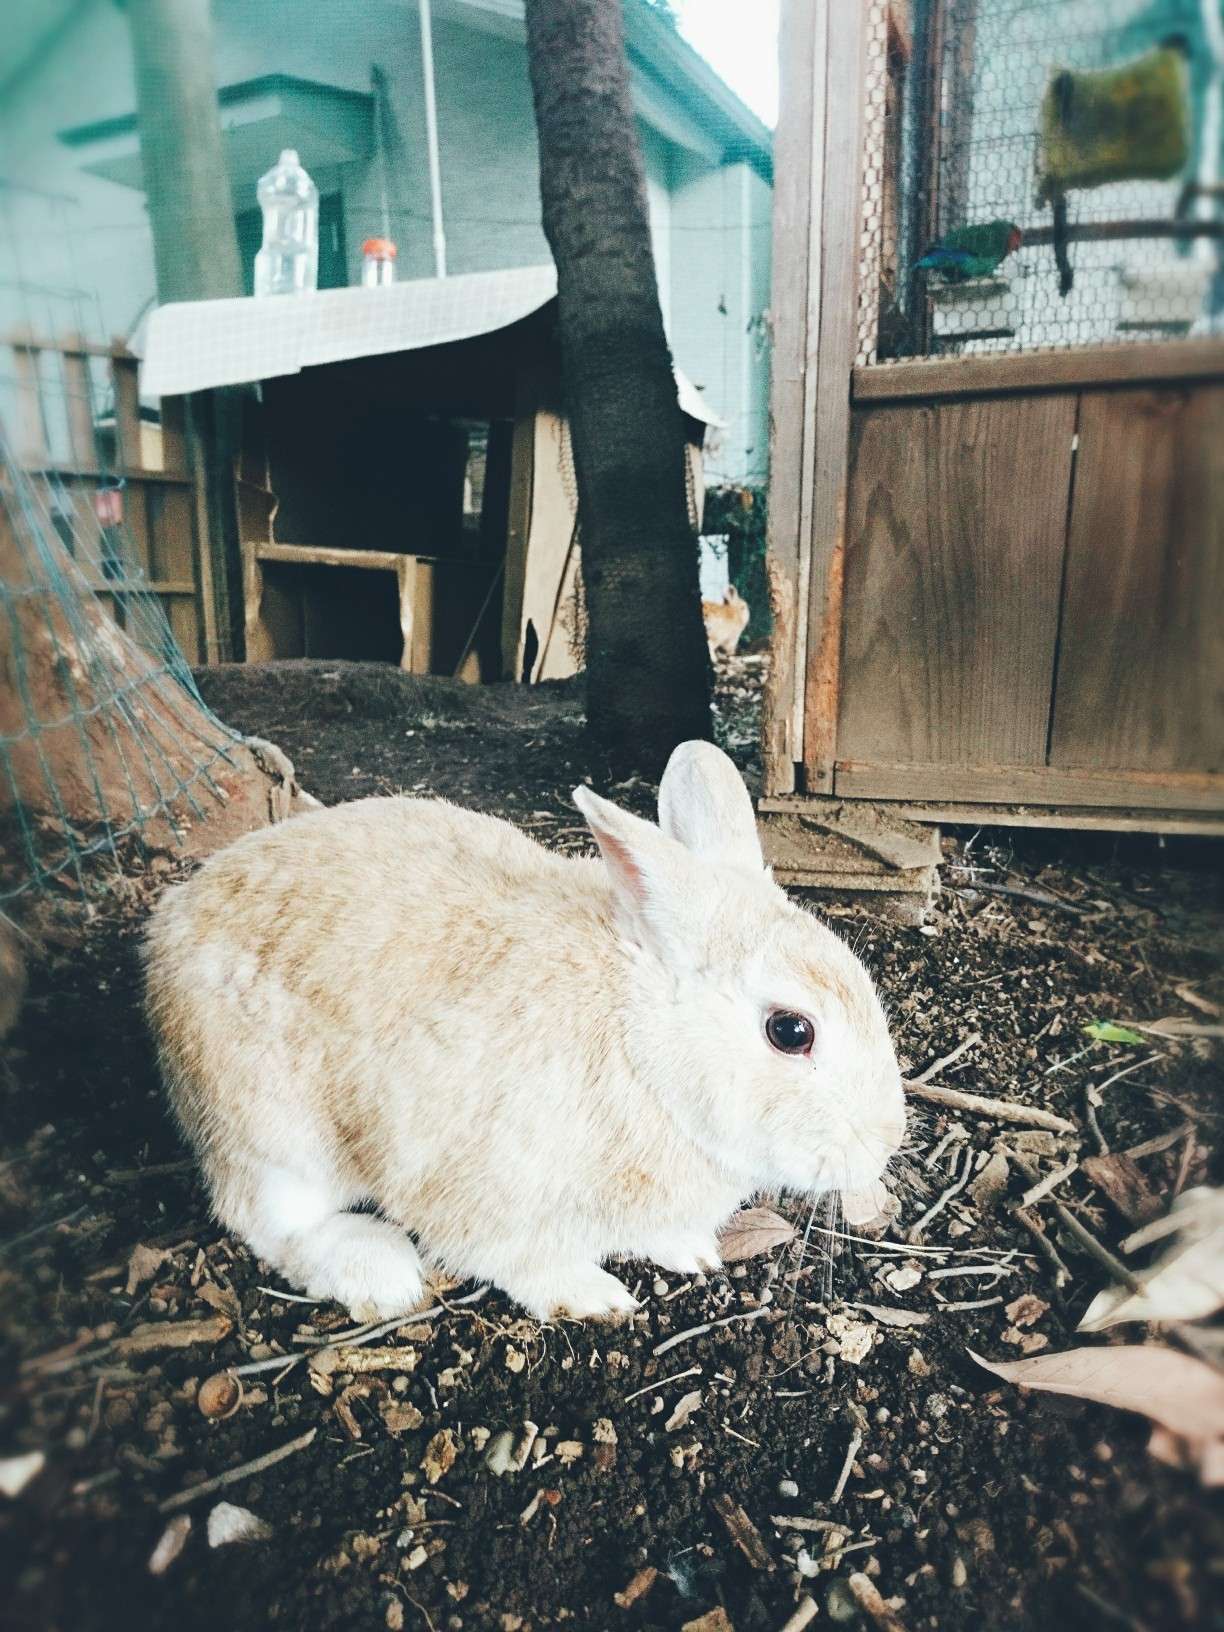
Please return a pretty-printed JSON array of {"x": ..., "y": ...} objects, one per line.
[{"x": 530, "y": 1062}]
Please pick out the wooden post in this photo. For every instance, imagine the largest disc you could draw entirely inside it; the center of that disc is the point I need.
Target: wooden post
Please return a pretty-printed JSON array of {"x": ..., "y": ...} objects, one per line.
[
  {"x": 816, "y": 261},
  {"x": 795, "y": 208},
  {"x": 834, "y": 280}
]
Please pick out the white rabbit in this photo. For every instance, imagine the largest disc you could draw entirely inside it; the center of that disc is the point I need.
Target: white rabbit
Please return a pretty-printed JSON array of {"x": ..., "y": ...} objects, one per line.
[{"x": 532, "y": 1063}]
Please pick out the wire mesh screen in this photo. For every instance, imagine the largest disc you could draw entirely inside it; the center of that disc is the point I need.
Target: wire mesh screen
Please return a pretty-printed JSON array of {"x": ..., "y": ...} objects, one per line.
[{"x": 1040, "y": 173}]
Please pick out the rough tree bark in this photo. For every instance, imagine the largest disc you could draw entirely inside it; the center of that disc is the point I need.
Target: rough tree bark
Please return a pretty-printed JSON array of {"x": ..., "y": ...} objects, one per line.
[
  {"x": 195, "y": 241},
  {"x": 648, "y": 676}
]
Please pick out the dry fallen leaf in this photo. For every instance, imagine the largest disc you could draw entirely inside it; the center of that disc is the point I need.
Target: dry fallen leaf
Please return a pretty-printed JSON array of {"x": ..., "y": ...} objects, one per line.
[
  {"x": 143, "y": 1263},
  {"x": 1186, "y": 1282},
  {"x": 752, "y": 1231},
  {"x": 870, "y": 1206},
  {"x": 1180, "y": 1394}
]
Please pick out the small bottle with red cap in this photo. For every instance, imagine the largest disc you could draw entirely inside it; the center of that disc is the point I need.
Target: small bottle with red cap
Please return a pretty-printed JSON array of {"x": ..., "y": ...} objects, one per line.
[{"x": 377, "y": 263}]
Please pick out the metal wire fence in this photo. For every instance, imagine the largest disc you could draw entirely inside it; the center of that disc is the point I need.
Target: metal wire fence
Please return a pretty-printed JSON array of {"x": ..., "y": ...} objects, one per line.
[
  {"x": 102, "y": 732},
  {"x": 1040, "y": 173}
]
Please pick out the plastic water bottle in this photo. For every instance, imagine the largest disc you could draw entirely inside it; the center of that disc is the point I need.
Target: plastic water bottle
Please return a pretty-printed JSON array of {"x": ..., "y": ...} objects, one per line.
[{"x": 288, "y": 262}]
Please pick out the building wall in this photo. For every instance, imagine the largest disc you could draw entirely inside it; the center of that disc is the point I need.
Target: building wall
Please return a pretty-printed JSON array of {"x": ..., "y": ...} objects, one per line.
[{"x": 709, "y": 222}]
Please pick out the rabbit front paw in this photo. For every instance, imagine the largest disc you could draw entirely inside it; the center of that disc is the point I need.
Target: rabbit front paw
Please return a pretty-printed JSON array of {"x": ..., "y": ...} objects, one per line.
[
  {"x": 684, "y": 1253},
  {"x": 367, "y": 1264},
  {"x": 584, "y": 1292}
]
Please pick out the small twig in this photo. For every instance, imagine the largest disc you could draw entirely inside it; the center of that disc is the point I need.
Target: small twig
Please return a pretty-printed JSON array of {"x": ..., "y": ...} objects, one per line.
[
  {"x": 1092, "y": 1099},
  {"x": 1038, "y": 1191},
  {"x": 955, "y": 1132},
  {"x": 843, "y": 1478},
  {"x": 1162, "y": 1141},
  {"x": 970, "y": 1269},
  {"x": 937, "y": 1206},
  {"x": 662, "y": 1382},
  {"x": 909, "y": 1251},
  {"x": 937, "y": 1066},
  {"x": 1128, "y": 1071},
  {"x": 41, "y": 1229},
  {"x": 806, "y": 1611},
  {"x": 815, "y": 1527},
  {"x": 159, "y": 1170},
  {"x": 1036, "y": 1229},
  {"x": 755, "y": 1443},
  {"x": 1038, "y": 897},
  {"x": 867, "y": 1596},
  {"x": 231, "y": 1476},
  {"x": 1093, "y": 1247},
  {"x": 252, "y": 1367},
  {"x": 1111, "y": 1613},
  {"x": 707, "y": 1326},
  {"x": 1183, "y": 1165},
  {"x": 288, "y": 1297},
  {"x": 971, "y": 1303},
  {"x": 999, "y": 1110}
]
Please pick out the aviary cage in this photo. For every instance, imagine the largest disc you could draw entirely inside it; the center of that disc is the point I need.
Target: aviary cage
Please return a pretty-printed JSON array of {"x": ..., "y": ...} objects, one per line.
[{"x": 997, "y": 506}]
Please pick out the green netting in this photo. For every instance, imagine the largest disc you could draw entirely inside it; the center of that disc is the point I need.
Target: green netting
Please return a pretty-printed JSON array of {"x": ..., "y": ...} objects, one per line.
[{"x": 103, "y": 735}]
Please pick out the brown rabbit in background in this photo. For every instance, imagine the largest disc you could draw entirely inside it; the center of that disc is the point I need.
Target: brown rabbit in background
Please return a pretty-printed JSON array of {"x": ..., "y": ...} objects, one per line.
[
  {"x": 532, "y": 1062},
  {"x": 725, "y": 621}
]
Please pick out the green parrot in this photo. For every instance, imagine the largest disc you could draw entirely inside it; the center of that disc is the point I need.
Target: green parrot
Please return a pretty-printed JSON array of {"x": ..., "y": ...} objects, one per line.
[{"x": 972, "y": 252}]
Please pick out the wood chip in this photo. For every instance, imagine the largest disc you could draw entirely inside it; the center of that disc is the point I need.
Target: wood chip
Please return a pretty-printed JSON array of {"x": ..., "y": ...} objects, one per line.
[
  {"x": 440, "y": 1455},
  {"x": 683, "y": 1410},
  {"x": 743, "y": 1532},
  {"x": 400, "y": 1416},
  {"x": 715, "y": 1620},
  {"x": 157, "y": 1337},
  {"x": 143, "y": 1263},
  {"x": 1027, "y": 1309},
  {"x": 636, "y": 1587},
  {"x": 806, "y": 1612},
  {"x": 867, "y": 1596},
  {"x": 1120, "y": 1180},
  {"x": 170, "y": 1544}
]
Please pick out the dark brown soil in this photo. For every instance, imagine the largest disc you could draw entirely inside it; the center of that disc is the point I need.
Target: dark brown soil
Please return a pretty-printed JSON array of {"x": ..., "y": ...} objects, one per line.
[{"x": 971, "y": 1504}]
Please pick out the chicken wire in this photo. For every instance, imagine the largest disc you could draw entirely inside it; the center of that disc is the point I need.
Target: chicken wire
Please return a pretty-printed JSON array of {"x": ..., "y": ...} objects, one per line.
[
  {"x": 992, "y": 111},
  {"x": 98, "y": 739}
]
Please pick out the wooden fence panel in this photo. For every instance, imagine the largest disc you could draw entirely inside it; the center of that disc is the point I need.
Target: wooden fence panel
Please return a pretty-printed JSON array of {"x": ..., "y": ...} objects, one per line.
[
  {"x": 955, "y": 535},
  {"x": 59, "y": 404},
  {"x": 1140, "y": 682}
]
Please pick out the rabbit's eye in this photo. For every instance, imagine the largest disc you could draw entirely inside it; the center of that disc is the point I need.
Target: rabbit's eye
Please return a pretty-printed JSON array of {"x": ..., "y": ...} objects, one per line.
[{"x": 790, "y": 1033}]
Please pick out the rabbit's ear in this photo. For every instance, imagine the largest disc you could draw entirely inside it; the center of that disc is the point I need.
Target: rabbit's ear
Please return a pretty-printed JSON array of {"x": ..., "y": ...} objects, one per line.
[
  {"x": 704, "y": 805},
  {"x": 652, "y": 883}
]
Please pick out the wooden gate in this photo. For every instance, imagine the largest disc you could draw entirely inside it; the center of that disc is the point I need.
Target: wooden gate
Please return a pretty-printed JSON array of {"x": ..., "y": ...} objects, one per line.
[{"x": 997, "y": 576}]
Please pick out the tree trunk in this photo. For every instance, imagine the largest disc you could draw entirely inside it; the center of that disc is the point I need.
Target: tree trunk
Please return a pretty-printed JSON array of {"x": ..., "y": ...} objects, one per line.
[
  {"x": 195, "y": 241},
  {"x": 648, "y": 675}
]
